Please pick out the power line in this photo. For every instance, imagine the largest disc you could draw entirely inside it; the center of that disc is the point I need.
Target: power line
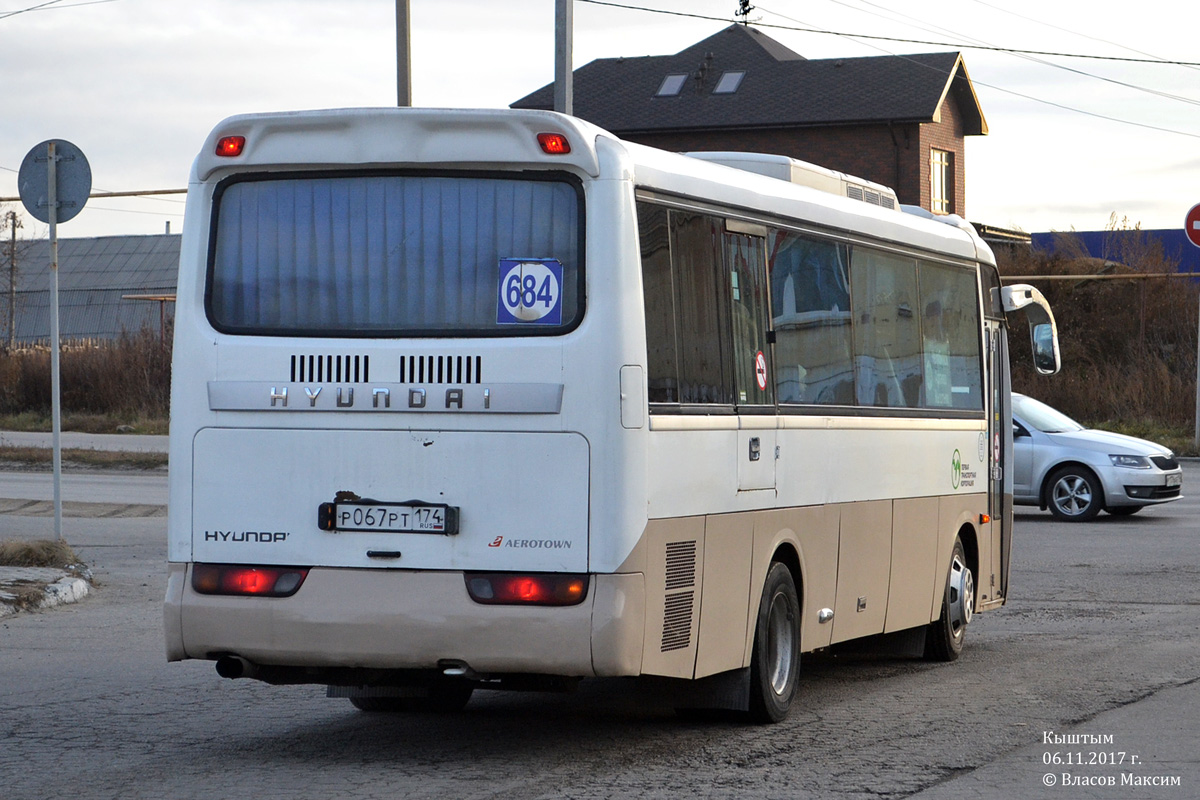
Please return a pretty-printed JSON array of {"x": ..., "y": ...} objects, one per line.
[
  {"x": 938, "y": 29},
  {"x": 1068, "y": 30},
  {"x": 133, "y": 211},
  {"x": 854, "y": 36},
  {"x": 1031, "y": 98},
  {"x": 38, "y": 7},
  {"x": 103, "y": 195},
  {"x": 53, "y": 5},
  {"x": 1037, "y": 99},
  {"x": 954, "y": 45}
]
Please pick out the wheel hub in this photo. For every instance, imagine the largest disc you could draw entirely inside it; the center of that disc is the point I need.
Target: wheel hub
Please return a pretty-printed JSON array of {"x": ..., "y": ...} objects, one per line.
[
  {"x": 962, "y": 596},
  {"x": 1073, "y": 495},
  {"x": 781, "y": 643}
]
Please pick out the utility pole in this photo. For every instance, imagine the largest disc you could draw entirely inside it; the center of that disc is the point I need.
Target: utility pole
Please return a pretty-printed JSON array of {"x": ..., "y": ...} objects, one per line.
[
  {"x": 403, "y": 54},
  {"x": 14, "y": 222},
  {"x": 564, "y": 92}
]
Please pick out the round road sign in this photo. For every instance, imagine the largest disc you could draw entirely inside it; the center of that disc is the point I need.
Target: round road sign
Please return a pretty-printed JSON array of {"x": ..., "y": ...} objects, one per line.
[
  {"x": 73, "y": 184},
  {"x": 1191, "y": 225}
]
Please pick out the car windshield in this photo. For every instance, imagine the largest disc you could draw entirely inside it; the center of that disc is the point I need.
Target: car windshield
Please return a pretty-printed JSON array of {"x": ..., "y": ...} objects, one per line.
[{"x": 1041, "y": 416}]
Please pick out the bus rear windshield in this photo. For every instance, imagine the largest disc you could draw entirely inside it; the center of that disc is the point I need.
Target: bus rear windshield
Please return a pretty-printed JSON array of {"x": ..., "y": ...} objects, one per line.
[{"x": 378, "y": 255}]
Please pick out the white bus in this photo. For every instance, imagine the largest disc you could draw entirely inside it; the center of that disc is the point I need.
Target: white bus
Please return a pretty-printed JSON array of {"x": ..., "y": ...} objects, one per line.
[{"x": 492, "y": 399}]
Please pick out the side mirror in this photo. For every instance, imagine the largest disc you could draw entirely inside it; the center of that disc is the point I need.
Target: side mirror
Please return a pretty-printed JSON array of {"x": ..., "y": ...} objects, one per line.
[
  {"x": 1043, "y": 333},
  {"x": 1045, "y": 348}
]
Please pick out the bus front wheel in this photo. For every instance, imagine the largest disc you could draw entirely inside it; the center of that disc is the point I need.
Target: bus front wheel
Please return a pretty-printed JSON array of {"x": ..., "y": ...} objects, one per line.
[
  {"x": 944, "y": 638},
  {"x": 775, "y": 663}
]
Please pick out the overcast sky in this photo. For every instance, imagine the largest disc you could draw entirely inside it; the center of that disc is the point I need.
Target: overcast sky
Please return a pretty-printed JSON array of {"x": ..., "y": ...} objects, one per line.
[{"x": 137, "y": 84}]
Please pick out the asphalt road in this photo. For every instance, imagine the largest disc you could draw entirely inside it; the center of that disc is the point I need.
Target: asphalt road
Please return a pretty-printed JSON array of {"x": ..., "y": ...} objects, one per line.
[{"x": 1102, "y": 635}]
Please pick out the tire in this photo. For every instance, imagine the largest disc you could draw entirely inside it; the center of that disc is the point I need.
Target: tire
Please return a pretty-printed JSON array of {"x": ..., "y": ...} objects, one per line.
[
  {"x": 442, "y": 699},
  {"x": 944, "y": 638},
  {"x": 1073, "y": 494},
  {"x": 1124, "y": 511},
  {"x": 775, "y": 663}
]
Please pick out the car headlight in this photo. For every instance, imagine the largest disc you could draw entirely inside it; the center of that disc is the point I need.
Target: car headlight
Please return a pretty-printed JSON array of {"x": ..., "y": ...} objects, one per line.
[{"x": 1132, "y": 462}]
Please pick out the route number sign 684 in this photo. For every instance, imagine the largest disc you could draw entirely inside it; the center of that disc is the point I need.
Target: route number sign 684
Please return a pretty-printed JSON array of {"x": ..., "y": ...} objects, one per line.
[{"x": 530, "y": 292}]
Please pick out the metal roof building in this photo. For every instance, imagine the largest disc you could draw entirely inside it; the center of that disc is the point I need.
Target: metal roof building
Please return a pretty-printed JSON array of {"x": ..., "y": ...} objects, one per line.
[
  {"x": 94, "y": 275},
  {"x": 1121, "y": 244}
]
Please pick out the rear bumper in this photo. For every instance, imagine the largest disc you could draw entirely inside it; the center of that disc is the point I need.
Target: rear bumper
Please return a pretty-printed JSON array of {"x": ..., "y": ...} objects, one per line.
[{"x": 395, "y": 619}]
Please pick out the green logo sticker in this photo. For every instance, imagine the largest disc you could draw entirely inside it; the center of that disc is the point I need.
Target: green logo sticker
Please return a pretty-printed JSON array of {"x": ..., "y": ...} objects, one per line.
[{"x": 956, "y": 469}]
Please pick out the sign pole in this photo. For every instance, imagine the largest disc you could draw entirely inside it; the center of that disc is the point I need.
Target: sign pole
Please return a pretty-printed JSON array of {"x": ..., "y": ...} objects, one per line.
[
  {"x": 68, "y": 182},
  {"x": 1191, "y": 229},
  {"x": 55, "y": 384}
]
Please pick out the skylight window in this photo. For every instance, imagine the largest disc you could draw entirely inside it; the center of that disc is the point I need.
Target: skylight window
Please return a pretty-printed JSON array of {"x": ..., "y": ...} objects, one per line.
[
  {"x": 729, "y": 82},
  {"x": 671, "y": 86}
]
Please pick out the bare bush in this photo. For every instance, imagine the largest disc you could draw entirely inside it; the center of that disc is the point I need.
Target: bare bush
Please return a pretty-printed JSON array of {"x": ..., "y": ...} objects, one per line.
[
  {"x": 1128, "y": 345},
  {"x": 128, "y": 377}
]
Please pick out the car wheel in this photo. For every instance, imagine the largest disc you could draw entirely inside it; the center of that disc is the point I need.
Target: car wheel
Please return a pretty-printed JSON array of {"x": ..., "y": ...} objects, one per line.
[
  {"x": 442, "y": 698},
  {"x": 944, "y": 638},
  {"x": 775, "y": 664},
  {"x": 1074, "y": 494},
  {"x": 1124, "y": 511}
]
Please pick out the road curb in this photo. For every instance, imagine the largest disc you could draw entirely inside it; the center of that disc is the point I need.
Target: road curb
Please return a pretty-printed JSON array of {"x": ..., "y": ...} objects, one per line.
[{"x": 58, "y": 587}]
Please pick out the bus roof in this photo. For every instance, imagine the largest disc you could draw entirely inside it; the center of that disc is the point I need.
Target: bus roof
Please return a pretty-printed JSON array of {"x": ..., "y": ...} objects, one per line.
[{"x": 507, "y": 138}]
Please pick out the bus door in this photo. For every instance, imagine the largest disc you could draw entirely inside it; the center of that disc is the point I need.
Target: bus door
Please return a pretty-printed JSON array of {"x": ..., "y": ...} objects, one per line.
[
  {"x": 999, "y": 459},
  {"x": 745, "y": 257}
]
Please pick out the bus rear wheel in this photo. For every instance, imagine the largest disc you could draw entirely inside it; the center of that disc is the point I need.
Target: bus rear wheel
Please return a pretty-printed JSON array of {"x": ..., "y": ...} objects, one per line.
[
  {"x": 944, "y": 638},
  {"x": 775, "y": 663}
]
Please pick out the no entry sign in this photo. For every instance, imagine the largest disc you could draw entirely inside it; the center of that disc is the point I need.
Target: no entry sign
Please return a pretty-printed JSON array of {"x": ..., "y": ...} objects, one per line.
[{"x": 1191, "y": 225}]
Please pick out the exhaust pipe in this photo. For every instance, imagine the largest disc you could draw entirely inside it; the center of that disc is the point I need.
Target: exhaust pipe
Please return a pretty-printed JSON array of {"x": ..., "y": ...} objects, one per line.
[{"x": 235, "y": 667}]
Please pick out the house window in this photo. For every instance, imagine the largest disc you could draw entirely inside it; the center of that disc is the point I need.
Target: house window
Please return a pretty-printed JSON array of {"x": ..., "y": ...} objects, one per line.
[
  {"x": 729, "y": 82},
  {"x": 671, "y": 86},
  {"x": 941, "y": 166}
]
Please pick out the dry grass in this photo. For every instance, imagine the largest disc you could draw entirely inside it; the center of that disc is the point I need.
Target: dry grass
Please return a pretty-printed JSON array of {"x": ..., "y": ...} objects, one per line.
[
  {"x": 1128, "y": 346},
  {"x": 30, "y": 421},
  {"x": 43, "y": 457},
  {"x": 38, "y": 553},
  {"x": 126, "y": 379}
]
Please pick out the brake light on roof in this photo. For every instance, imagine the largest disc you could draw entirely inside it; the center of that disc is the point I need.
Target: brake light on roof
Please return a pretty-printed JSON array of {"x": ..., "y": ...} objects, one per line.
[
  {"x": 230, "y": 146},
  {"x": 554, "y": 144},
  {"x": 232, "y": 579},
  {"x": 526, "y": 589}
]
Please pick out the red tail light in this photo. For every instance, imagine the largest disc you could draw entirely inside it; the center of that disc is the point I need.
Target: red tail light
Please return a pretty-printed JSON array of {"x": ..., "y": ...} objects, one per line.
[
  {"x": 230, "y": 146},
  {"x": 228, "y": 579},
  {"x": 540, "y": 589},
  {"x": 554, "y": 144}
]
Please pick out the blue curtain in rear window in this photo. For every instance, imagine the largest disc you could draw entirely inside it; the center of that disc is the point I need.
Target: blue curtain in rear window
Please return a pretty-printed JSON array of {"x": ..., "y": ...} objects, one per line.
[{"x": 384, "y": 254}]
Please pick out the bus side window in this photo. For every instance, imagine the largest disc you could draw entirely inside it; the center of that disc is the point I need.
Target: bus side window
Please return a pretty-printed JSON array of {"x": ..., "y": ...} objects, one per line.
[
  {"x": 887, "y": 332},
  {"x": 810, "y": 312},
  {"x": 746, "y": 268},
  {"x": 702, "y": 309},
  {"x": 950, "y": 328},
  {"x": 658, "y": 290}
]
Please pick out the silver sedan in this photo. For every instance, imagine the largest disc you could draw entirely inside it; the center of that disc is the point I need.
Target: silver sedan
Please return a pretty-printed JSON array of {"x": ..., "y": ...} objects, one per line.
[{"x": 1076, "y": 471}]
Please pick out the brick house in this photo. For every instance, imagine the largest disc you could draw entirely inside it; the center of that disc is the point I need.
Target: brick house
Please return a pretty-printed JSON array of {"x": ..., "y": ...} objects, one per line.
[{"x": 897, "y": 120}]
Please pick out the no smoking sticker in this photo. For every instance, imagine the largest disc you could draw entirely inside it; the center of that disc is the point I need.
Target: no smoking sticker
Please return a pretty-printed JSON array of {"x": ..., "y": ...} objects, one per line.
[{"x": 760, "y": 370}]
